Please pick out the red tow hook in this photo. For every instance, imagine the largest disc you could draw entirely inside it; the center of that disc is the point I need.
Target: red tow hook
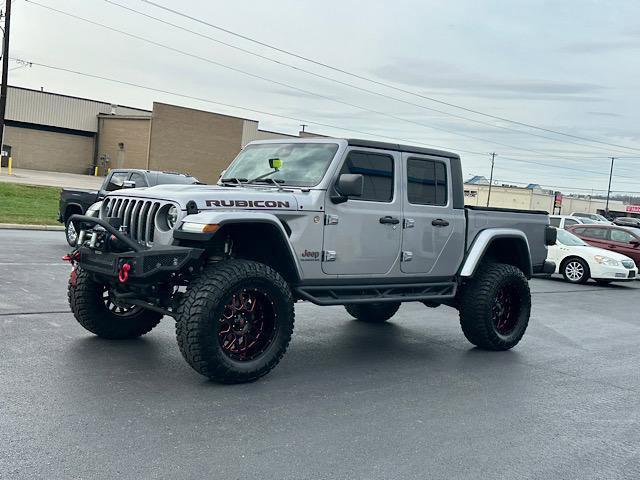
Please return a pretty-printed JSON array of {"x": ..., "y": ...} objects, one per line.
[
  {"x": 123, "y": 274},
  {"x": 72, "y": 257}
]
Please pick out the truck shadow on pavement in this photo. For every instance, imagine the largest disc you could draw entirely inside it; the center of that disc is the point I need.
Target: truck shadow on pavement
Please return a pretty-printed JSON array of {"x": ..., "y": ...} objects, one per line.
[{"x": 344, "y": 351}]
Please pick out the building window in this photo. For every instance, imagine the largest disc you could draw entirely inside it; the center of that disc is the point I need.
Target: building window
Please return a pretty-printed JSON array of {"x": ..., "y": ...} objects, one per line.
[
  {"x": 426, "y": 182},
  {"x": 377, "y": 171}
]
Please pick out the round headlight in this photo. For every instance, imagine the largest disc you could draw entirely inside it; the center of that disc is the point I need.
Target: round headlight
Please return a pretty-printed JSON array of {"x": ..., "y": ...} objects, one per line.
[{"x": 172, "y": 217}]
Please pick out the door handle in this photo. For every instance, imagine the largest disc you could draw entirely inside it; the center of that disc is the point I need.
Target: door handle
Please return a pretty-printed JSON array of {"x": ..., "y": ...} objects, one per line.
[
  {"x": 438, "y": 222},
  {"x": 612, "y": 246},
  {"x": 389, "y": 220}
]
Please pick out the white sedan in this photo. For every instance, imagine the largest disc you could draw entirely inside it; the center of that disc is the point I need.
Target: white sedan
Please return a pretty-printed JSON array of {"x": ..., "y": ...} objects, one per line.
[{"x": 578, "y": 261}]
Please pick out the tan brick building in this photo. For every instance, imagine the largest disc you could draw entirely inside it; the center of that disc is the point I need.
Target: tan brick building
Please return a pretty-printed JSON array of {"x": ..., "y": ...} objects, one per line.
[{"x": 48, "y": 131}]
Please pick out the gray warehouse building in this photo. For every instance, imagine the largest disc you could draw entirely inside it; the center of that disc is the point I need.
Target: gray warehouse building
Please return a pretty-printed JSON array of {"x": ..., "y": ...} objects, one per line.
[{"x": 61, "y": 133}]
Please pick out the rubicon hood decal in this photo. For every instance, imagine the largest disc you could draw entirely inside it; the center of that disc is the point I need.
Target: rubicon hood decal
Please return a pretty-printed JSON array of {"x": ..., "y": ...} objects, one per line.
[{"x": 248, "y": 203}]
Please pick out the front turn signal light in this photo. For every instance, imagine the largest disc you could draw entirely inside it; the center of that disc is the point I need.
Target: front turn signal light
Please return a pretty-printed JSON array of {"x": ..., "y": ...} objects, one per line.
[{"x": 199, "y": 227}]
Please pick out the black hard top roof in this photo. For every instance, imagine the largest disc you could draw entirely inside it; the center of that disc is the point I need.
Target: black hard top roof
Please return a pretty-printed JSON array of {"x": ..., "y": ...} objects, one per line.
[{"x": 400, "y": 148}]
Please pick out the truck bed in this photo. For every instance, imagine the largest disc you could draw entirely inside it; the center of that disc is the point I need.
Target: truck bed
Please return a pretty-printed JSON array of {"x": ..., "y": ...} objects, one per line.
[{"x": 532, "y": 222}]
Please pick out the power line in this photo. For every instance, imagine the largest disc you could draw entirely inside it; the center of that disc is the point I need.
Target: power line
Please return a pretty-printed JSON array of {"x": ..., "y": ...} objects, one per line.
[
  {"x": 308, "y": 92},
  {"x": 287, "y": 117},
  {"x": 248, "y": 109},
  {"x": 340, "y": 82},
  {"x": 384, "y": 84},
  {"x": 262, "y": 112}
]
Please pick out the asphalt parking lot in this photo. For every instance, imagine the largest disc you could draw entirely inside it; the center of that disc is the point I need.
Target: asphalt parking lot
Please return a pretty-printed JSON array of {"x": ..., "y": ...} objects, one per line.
[{"x": 407, "y": 399}]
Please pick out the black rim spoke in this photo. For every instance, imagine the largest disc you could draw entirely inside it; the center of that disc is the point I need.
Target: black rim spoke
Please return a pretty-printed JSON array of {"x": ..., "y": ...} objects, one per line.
[{"x": 247, "y": 324}]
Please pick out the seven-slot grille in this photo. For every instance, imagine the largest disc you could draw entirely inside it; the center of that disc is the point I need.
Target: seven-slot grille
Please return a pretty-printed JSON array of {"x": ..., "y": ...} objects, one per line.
[{"x": 137, "y": 214}]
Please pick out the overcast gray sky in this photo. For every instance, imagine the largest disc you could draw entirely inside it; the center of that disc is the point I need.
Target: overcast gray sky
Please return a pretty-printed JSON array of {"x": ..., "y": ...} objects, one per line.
[{"x": 571, "y": 66}]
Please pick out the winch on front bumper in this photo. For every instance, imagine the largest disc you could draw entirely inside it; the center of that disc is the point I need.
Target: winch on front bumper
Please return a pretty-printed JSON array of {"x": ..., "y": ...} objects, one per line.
[{"x": 105, "y": 251}]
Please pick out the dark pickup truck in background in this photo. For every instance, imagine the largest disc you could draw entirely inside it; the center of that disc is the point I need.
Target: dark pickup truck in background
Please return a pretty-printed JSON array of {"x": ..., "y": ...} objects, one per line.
[{"x": 73, "y": 201}]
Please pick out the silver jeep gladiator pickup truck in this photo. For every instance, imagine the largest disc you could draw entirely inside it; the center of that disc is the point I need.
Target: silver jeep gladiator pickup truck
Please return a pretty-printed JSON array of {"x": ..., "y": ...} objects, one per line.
[{"x": 358, "y": 223}]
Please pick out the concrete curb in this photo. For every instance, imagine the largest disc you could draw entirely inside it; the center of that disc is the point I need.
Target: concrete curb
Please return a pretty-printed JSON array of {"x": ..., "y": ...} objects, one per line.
[{"x": 15, "y": 226}]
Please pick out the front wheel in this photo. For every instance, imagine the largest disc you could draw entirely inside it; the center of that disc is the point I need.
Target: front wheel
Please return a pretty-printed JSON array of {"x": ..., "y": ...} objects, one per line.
[
  {"x": 96, "y": 310},
  {"x": 575, "y": 270},
  {"x": 70, "y": 233},
  {"x": 495, "y": 307},
  {"x": 236, "y": 321}
]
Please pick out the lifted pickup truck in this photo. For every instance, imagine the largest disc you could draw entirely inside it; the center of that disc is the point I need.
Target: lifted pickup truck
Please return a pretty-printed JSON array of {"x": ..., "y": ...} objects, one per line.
[
  {"x": 364, "y": 224},
  {"x": 74, "y": 201}
]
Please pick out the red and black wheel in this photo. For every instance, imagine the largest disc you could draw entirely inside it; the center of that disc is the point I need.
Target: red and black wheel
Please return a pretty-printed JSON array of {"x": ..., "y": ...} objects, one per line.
[
  {"x": 495, "y": 307},
  {"x": 97, "y": 311},
  {"x": 236, "y": 321}
]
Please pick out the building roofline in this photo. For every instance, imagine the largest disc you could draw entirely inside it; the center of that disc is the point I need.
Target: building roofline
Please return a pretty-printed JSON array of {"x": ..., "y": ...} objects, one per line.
[
  {"x": 204, "y": 111},
  {"x": 124, "y": 117},
  {"x": 77, "y": 98}
]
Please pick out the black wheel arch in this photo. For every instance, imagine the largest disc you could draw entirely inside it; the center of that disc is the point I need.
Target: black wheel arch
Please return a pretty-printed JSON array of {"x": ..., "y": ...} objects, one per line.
[
  {"x": 72, "y": 209},
  {"x": 262, "y": 241},
  {"x": 506, "y": 249}
]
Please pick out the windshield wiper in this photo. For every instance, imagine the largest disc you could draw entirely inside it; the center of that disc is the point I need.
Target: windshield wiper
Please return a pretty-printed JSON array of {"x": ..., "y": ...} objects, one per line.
[
  {"x": 237, "y": 181},
  {"x": 275, "y": 181}
]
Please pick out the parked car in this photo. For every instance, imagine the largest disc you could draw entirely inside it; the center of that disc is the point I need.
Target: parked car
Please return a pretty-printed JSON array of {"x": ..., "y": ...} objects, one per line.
[
  {"x": 591, "y": 217},
  {"x": 577, "y": 261},
  {"x": 562, "y": 221},
  {"x": 358, "y": 223},
  {"x": 74, "y": 201},
  {"x": 627, "y": 222},
  {"x": 624, "y": 240}
]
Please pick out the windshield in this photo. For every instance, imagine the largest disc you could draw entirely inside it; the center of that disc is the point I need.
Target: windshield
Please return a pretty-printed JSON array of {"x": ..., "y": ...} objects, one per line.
[
  {"x": 600, "y": 218},
  {"x": 302, "y": 164},
  {"x": 569, "y": 239}
]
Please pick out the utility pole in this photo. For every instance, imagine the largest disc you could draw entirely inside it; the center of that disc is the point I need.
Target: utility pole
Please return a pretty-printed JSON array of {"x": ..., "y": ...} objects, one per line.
[
  {"x": 606, "y": 208},
  {"x": 493, "y": 160},
  {"x": 5, "y": 70}
]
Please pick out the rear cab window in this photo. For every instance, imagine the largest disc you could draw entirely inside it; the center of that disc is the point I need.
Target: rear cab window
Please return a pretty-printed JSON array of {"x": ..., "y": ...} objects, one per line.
[{"x": 554, "y": 222}]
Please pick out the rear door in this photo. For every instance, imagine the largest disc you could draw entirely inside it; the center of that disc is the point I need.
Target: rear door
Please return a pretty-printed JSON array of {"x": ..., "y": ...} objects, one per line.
[
  {"x": 596, "y": 236},
  {"x": 362, "y": 235},
  {"x": 433, "y": 232}
]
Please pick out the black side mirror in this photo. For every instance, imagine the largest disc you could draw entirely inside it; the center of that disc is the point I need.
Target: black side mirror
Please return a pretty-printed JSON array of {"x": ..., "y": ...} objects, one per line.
[
  {"x": 348, "y": 185},
  {"x": 635, "y": 243}
]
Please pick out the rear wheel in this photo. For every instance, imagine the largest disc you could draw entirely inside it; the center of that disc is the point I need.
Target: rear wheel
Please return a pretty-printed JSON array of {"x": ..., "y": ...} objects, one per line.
[
  {"x": 376, "y": 312},
  {"x": 495, "y": 307},
  {"x": 575, "y": 270},
  {"x": 94, "y": 307},
  {"x": 236, "y": 321}
]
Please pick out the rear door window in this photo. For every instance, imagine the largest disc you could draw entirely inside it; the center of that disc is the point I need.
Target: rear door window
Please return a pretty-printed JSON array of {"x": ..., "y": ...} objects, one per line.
[
  {"x": 596, "y": 233},
  {"x": 377, "y": 170},
  {"x": 426, "y": 182}
]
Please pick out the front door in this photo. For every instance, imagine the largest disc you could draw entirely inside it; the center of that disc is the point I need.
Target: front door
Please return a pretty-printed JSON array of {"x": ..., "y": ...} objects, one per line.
[
  {"x": 433, "y": 233},
  {"x": 362, "y": 235},
  {"x": 620, "y": 241}
]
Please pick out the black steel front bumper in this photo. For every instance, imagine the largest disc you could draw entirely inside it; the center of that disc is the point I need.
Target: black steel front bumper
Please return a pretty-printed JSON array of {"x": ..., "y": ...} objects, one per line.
[{"x": 144, "y": 263}]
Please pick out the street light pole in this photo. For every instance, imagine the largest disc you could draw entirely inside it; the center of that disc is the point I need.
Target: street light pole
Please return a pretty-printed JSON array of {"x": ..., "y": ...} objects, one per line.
[
  {"x": 606, "y": 208},
  {"x": 493, "y": 158},
  {"x": 5, "y": 70}
]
